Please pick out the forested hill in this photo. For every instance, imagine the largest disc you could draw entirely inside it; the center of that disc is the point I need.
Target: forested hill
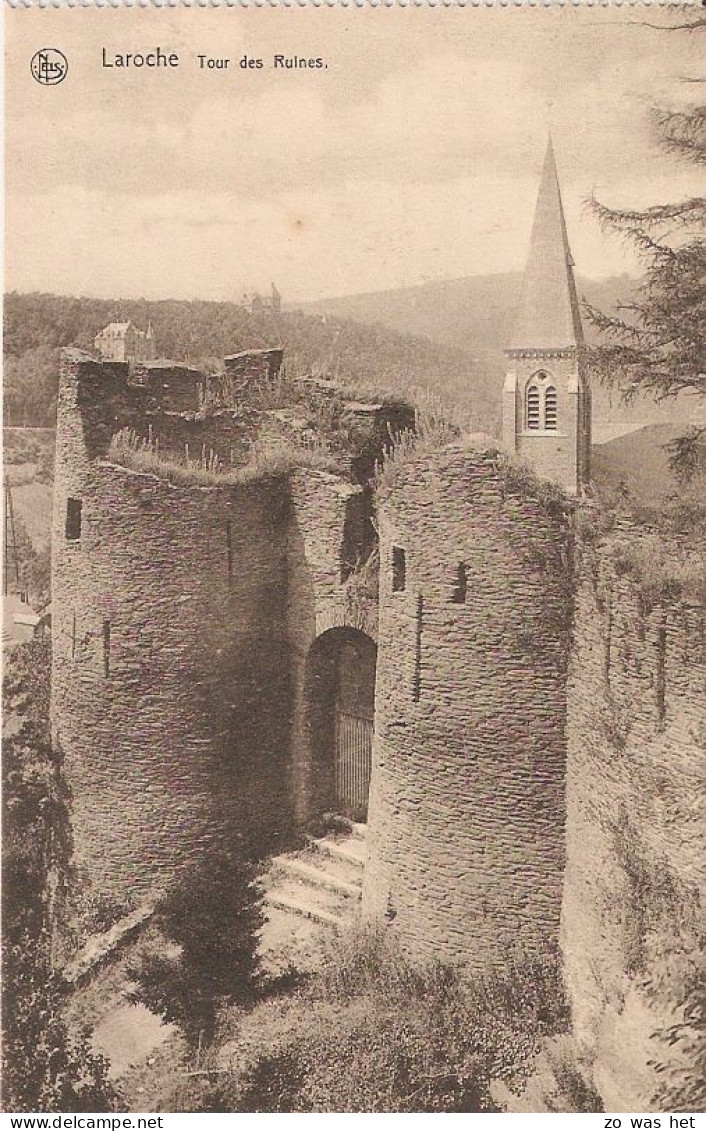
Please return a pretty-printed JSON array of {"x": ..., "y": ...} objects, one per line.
[
  {"x": 476, "y": 313},
  {"x": 37, "y": 325}
]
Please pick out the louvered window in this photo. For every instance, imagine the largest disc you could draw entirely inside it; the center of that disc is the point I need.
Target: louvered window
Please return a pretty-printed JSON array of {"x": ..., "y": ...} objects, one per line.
[
  {"x": 533, "y": 407},
  {"x": 550, "y": 408}
]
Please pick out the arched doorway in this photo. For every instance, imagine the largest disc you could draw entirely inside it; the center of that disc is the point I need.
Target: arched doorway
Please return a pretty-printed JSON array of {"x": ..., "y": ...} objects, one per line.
[{"x": 340, "y": 691}]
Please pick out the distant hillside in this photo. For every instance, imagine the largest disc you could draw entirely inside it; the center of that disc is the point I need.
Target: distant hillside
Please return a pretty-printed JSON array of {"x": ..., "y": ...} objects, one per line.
[
  {"x": 639, "y": 461},
  {"x": 364, "y": 356},
  {"x": 475, "y": 314},
  {"x": 443, "y": 338}
]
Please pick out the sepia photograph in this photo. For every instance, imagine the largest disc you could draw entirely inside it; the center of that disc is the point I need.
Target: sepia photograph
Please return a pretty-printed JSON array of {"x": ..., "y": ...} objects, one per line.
[{"x": 354, "y": 483}]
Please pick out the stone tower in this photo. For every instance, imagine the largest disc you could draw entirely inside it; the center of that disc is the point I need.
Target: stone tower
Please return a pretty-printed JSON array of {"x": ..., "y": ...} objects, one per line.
[
  {"x": 546, "y": 398},
  {"x": 467, "y": 813}
]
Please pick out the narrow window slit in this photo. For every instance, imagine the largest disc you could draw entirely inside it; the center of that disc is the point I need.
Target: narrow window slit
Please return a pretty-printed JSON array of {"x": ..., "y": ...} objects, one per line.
[
  {"x": 661, "y": 679},
  {"x": 73, "y": 520},
  {"x": 458, "y": 595},
  {"x": 399, "y": 569},
  {"x": 229, "y": 544},
  {"x": 106, "y": 647}
]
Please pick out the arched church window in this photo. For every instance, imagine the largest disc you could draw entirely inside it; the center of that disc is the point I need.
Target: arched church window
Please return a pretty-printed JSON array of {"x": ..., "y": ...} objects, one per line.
[
  {"x": 532, "y": 412},
  {"x": 550, "y": 408}
]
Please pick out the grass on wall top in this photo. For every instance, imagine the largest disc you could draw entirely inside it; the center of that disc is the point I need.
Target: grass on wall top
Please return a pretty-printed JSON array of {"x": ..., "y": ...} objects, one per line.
[
  {"x": 129, "y": 450},
  {"x": 436, "y": 429}
]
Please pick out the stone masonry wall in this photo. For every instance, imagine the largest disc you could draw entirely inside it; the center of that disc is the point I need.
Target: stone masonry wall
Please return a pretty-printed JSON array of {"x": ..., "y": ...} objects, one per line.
[
  {"x": 466, "y": 817},
  {"x": 171, "y": 678},
  {"x": 636, "y": 826},
  {"x": 324, "y": 510}
]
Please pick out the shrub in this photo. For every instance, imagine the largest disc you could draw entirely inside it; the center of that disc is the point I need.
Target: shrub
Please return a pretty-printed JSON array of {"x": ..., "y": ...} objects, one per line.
[
  {"x": 210, "y": 922},
  {"x": 47, "y": 1063},
  {"x": 574, "y": 1089},
  {"x": 682, "y": 1081},
  {"x": 377, "y": 1032}
]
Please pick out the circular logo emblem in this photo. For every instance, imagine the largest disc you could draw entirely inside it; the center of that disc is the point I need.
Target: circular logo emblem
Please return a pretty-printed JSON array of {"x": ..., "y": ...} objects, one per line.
[{"x": 49, "y": 66}]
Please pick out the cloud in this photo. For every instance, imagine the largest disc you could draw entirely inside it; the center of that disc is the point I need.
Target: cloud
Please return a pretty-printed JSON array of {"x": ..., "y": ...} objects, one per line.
[{"x": 415, "y": 155}]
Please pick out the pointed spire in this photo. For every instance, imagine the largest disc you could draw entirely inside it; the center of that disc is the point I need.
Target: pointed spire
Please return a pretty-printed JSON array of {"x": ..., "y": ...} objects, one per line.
[{"x": 548, "y": 316}]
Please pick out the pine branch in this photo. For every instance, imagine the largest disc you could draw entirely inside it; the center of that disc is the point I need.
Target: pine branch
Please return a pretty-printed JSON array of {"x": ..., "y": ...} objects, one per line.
[
  {"x": 689, "y": 211},
  {"x": 687, "y": 454},
  {"x": 682, "y": 132},
  {"x": 694, "y": 25}
]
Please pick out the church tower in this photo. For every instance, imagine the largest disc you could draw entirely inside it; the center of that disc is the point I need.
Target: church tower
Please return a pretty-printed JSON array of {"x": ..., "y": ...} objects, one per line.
[{"x": 546, "y": 398}]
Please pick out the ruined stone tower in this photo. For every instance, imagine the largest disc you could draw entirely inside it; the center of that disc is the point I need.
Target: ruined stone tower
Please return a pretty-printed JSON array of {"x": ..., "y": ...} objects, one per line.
[
  {"x": 211, "y": 633},
  {"x": 546, "y": 398},
  {"x": 466, "y": 816}
]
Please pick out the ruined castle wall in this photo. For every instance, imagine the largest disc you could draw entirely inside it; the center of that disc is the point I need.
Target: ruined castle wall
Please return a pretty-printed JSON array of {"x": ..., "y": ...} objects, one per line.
[
  {"x": 170, "y": 677},
  {"x": 466, "y": 818},
  {"x": 636, "y": 824},
  {"x": 321, "y": 599}
]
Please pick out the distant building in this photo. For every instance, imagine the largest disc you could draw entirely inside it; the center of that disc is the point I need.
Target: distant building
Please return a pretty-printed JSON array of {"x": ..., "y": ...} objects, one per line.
[
  {"x": 121, "y": 341},
  {"x": 260, "y": 305},
  {"x": 19, "y": 620}
]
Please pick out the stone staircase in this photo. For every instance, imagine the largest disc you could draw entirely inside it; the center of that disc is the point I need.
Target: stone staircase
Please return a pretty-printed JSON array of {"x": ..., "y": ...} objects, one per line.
[{"x": 314, "y": 891}]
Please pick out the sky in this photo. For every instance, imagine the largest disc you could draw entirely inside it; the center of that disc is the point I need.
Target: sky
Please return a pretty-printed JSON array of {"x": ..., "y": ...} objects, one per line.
[{"x": 415, "y": 154}]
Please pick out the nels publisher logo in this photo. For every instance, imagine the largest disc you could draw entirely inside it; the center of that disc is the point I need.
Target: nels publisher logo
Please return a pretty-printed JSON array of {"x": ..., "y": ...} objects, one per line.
[{"x": 49, "y": 66}]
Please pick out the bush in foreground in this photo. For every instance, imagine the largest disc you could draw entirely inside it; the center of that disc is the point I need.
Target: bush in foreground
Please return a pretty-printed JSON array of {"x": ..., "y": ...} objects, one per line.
[
  {"x": 47, "y": 1063},
  {"x": 373, "y": 1032}
]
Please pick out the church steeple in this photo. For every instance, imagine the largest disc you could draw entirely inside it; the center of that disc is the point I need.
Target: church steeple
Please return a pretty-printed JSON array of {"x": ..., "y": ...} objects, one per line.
[
  {"x": 548, "y": 316},
  {"x": 546, "y": 400}
]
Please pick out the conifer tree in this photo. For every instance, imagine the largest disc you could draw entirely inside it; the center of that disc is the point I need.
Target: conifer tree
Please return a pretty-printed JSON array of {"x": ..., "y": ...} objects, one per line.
[
  {"x": 655, "y": 342},
  {"x": 211, "y": 921}
]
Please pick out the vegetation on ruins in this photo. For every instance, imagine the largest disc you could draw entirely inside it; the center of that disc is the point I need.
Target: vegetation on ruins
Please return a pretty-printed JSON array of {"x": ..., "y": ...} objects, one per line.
[
  {"x": 371, "y": 1031},
  {"x": 682, "y": 1088},
  {"x": 207, "y": 469},
  {"x": 437, "y": 428},
  {"x": 38, "y": 325},
  {"x": 47, "y": 1063},
  {"x": 434, "y": 428},
  {"x": 656, "y": 341},
  {"x": 665, "y": 945},
  {"x": 209, "y": 923},
  {"x": 650, "y": 904},
  {"x": 658, "y": 547}
]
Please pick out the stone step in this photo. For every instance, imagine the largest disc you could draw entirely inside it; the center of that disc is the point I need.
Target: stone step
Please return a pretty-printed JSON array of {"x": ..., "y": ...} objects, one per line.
[
  {"x": 300, "y": 868},
  {"x": 349, "y": 871},
  {"x": 352, "y": 850},
  {"x": 301, "y": 900}
]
